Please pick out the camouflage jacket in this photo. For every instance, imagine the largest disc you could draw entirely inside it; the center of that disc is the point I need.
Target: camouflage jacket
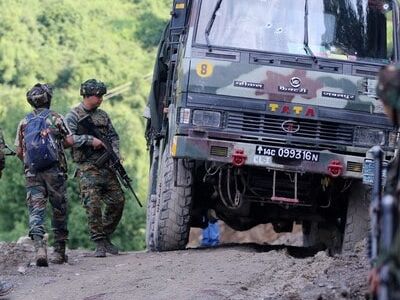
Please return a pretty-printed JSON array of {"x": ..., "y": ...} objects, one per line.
[
  {"x": 82, "y": 150},
  {"x": 58, "y": 128},
  {"x": 392, "y": 187}
]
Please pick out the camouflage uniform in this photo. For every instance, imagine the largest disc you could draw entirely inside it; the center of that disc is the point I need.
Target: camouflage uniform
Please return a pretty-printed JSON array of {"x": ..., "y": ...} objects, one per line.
[
  {"x": 5, "y": 287},
  {"x": 98, "y": 184},
  {"x": 50, "y": 183},
  {"x": 388, "y": 90}
]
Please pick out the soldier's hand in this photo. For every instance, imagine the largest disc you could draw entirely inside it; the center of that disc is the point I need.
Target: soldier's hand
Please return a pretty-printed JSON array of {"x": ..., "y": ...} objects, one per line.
[
  {"x": 373, "y": 280},
  {"x": 68, "y": 141},
  {"x": 97, "y": 144}
]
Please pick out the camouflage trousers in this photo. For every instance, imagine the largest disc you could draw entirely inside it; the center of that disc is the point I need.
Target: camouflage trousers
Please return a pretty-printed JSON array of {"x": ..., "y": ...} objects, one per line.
[
  {"x": 41, "y": 186},
  {"x": 100, "y": 186}
]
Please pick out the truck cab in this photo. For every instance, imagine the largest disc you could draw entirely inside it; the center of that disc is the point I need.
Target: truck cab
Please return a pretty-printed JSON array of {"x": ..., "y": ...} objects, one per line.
[{"x": 264, "y": 112}]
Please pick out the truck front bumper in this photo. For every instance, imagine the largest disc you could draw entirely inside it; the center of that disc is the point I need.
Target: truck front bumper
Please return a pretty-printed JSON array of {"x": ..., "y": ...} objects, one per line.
[{"x": 274, "y": 158}]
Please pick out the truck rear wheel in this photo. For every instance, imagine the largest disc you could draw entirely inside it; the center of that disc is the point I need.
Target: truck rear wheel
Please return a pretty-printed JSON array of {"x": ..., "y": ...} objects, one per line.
[
  {"x": 173, "y": 205},
  {"x": 357, "y": 218},
  {"x": 322, "y": 235}
]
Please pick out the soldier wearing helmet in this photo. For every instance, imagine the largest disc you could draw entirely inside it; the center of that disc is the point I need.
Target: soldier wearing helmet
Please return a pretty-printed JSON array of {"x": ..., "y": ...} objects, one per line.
[
  {"x": 98, "y": 183},
  {"x": 49, "y": 182},
  {"x": 40, "y": 95},
  {"x": 388, "y": 90}
]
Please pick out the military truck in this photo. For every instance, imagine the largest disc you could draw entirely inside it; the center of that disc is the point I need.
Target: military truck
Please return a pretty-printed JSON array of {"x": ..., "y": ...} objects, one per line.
[{"x": 263, "y": 111}]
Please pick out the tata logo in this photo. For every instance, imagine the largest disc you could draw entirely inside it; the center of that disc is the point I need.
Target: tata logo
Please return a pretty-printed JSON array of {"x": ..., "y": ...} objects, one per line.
[
  {"x": 290, "y": 126},
  {"x": 292, "y": 110},
  {"x": 295, "y": 82}
]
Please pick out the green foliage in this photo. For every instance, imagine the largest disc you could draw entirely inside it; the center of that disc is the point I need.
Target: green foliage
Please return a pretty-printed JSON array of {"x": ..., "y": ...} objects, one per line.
[
  {"x": 149, "y": 38},
  {"x": 64, "y": 43}
]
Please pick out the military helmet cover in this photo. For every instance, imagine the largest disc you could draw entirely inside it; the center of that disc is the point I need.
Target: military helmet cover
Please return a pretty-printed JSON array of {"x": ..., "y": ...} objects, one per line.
[
  {"x": 93, "y": 87},
  {"x": 388, "y": 88},
  {"x": 39, "y": 95}
]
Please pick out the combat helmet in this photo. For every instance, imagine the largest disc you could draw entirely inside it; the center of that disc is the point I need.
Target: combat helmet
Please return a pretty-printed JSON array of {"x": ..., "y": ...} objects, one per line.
[
  {"x": 93, "y": 87},
  {"x": 388, "y": 88},
  {"x": 39, "y": 95}
]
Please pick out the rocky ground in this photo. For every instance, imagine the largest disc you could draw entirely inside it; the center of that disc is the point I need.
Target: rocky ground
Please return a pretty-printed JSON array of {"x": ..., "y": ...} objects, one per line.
[{"x": 229, "y": 271}]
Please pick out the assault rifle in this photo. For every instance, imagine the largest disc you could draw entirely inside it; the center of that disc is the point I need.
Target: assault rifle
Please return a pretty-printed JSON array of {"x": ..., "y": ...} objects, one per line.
[
  {"x": 383, "y": 213},
  {"x": 109, "y": 155},
  {"x": 10, "y": 152}
]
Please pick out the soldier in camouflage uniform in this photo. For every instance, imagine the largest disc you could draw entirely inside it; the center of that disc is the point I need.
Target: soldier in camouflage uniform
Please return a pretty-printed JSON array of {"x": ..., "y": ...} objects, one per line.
[
  {"x": 5, "y": 287},
  {"x": 98, "y": 182},
  {"x": 388, "y": 90},
  {"x": 49, "y": 183}
]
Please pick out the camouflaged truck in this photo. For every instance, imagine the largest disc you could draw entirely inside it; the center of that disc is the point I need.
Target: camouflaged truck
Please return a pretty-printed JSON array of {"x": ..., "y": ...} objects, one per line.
[{"x": 263, "y": 111}]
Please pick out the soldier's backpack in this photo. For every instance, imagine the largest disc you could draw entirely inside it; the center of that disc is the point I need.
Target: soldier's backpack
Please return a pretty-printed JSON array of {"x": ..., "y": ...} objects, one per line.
[{"x": 40, "y": 148}]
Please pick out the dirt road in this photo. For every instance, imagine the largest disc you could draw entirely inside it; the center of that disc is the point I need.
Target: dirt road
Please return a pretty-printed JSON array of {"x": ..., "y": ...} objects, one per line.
[{"x": 227, "y": 272}]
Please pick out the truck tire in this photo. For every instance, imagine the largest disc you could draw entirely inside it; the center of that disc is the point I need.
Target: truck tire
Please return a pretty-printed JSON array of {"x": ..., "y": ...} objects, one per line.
[
  {"x": 150, "y": 220},
  {"x": 322, "y": 235},
  {"x": 172, "y": 212},
  {"x": 151, "y": 204},
  {"x": 357, "y": 218}
]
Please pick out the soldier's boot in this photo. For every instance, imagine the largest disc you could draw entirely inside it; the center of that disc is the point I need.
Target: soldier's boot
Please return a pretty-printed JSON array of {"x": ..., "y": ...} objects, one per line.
[
  {"x": 41, "y": 252},
  {"x": 110, "y": 247},
  {"x": 100, "y": 249},
  {"x": 5, "y": 288},
  {"x": 59, "y": 256}
]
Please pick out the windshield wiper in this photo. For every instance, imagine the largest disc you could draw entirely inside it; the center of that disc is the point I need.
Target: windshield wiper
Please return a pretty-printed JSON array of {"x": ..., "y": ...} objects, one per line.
[
  {"x": 305, "y": 43},
  {"x": 211, "y": 23}
]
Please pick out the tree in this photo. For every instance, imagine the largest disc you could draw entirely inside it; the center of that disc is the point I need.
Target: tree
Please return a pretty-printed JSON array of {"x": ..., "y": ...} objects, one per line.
[{"x": 64, "y": 43}]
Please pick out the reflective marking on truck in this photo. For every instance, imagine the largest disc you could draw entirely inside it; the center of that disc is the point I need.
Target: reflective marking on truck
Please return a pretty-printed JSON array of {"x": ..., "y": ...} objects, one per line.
[
  {"x": 287, "y": 89},
  {"x": 247, "y": 84},
  {"x": 338, "y": 95},
  {"x": 262, "y": 160},
  {"x": 204, "y": 69}
]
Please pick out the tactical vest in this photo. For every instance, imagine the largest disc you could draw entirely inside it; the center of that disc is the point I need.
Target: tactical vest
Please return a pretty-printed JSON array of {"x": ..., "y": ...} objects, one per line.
[
  {"x": 100, "y": 119},
  {"x": 393, "y": 187}
]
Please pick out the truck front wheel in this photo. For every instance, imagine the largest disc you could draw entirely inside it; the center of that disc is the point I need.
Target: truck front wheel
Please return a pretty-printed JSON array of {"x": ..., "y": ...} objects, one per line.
[
  {"x": 152, "y": 200},
  {"x": 173, "y": 204}
]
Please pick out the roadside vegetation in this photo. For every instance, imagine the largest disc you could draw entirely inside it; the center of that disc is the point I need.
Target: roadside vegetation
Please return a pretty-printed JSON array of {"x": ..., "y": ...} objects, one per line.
[{"x": 64, "y": 43}]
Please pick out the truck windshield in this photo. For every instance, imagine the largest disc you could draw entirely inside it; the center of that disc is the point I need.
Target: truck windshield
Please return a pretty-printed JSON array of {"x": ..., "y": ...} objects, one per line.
[{"x": 339, "y": 29}]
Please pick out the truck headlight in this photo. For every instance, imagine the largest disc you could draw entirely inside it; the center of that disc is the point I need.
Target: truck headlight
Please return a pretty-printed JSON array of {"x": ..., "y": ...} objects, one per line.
[
  {"x": 364, "y": 136},
  {"x": 205, "y": 118}
]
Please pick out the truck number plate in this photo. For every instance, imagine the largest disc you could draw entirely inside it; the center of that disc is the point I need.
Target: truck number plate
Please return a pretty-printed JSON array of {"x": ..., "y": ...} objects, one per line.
[{"x": 282, "y": 152}]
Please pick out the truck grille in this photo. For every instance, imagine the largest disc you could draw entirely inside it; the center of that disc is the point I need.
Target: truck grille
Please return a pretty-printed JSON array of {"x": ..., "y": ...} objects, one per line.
[{"x": 262, "y": 127}]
